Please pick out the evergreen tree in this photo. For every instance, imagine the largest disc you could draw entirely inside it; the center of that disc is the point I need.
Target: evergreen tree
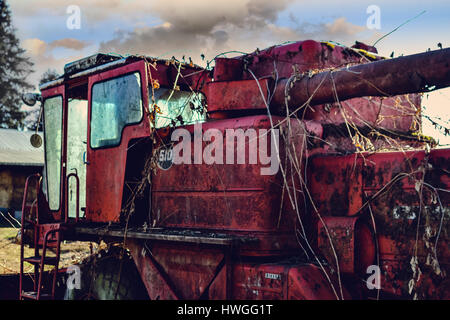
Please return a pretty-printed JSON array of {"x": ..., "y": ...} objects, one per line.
[{"x": 14, "y": 70}]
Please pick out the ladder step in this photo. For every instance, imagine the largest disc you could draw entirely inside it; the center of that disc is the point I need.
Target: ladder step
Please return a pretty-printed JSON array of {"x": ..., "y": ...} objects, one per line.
[
  {"x": 37, "y": 260},
  {"x": 50, "y": 244},
  {"x": 33, "y": 295}
]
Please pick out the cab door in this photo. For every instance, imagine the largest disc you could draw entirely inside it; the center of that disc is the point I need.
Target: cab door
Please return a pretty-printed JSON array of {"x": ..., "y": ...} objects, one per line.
[
  {"x": 77, "y": 119},
  {"x": 53, "y": 115},
  {"x": 118, "y": 101}
]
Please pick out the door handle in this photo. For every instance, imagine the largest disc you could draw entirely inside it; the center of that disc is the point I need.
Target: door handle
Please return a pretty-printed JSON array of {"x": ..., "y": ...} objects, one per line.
[{"x": 84, "y": 158}]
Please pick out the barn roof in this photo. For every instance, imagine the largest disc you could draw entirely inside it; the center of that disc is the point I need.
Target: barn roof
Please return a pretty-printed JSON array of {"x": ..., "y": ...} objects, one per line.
[{"x": 16, "y": 150}]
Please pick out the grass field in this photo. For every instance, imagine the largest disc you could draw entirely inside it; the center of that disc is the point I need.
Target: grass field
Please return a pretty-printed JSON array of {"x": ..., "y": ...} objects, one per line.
[{"x": 71, "y": 252}]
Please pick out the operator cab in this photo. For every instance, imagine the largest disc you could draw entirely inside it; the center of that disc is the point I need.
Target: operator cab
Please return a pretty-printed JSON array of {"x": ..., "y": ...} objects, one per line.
[{"x": 93, "y": 112}]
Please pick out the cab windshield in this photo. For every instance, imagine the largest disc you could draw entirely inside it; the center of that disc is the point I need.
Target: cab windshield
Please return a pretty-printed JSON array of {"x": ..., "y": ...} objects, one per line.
[{"x": 116, "y": 103}]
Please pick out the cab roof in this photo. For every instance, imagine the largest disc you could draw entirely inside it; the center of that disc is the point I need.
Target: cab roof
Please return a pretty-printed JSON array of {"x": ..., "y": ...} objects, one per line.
[{"x": 100, "y": 62}]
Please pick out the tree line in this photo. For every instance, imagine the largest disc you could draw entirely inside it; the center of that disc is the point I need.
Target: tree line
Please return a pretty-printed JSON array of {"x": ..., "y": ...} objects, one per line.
[{"x": 15, "y": 69}]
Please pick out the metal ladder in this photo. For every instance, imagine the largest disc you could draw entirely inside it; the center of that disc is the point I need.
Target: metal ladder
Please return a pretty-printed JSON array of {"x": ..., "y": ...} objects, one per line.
[{"x": 44, "y": 283}]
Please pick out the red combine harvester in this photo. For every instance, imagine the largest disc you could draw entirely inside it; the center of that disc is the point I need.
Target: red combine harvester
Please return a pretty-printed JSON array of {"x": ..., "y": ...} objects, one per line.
[{"x": 294, "y": 172}]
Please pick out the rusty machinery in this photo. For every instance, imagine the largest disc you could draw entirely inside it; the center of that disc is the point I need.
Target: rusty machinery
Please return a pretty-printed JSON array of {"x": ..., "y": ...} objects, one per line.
[{"x": 355, "y": 183}]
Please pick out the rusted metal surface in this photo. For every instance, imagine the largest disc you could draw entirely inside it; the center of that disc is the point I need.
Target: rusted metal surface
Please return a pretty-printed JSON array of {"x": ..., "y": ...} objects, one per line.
[
  {"x": 177, "y": 272},
  {"x": 228, "y": 69},
  {"x": 406, "y": 196},
  {"x": 174, "y": 272},
  {"x": 154, "y": 279},
  {"x": 398, "y": 114},
  {"x": 236, "y": 95},
  {"x": 235, "y": 197},
  {"x": 350, "y": 239},
  {"x": 223, "y": 230},
  {"x": 304, "y": 55},
  {"x": 277, "y": 281},
  {"x": 305, "y": 59},
  {"x": 410, "y": 74}
]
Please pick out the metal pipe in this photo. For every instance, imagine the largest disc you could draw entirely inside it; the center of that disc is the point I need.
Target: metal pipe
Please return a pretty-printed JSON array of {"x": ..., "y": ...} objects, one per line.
[{"x": 416, "y": 73}]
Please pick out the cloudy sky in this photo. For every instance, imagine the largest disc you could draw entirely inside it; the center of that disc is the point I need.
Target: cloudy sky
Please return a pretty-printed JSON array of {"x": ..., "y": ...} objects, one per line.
[{"x": 163, "y": 28}]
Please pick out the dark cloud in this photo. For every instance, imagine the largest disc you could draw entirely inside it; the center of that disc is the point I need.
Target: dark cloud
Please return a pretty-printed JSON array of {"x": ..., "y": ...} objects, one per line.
[
  {"x": 220, "y": 37},
  {"x": 195, "y": 27}
]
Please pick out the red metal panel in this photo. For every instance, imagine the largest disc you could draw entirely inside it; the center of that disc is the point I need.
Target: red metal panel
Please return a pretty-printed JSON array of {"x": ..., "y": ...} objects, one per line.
[
  {"x": 352, "y": 241},
  {"x": 305, "y": 55},
  {"x": 228, "y": 69},
  {"x": 157, "y": 286},
  {"x": 218, "y": 289},
  {"x": 274, "y": 281},
  {"x": 398, "y": 201},
  {"x": 178, "y": 271},
  {"x": 190, "y": 268},
  {"x": 260, "y": 281},
  {"x": 236, "y": 95},
  {"x": 336, "y": 183},
  {"x": 187, "y": 271},
  {"x": 308, "y": 282},
  {"x": 235, "y": 197}
]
